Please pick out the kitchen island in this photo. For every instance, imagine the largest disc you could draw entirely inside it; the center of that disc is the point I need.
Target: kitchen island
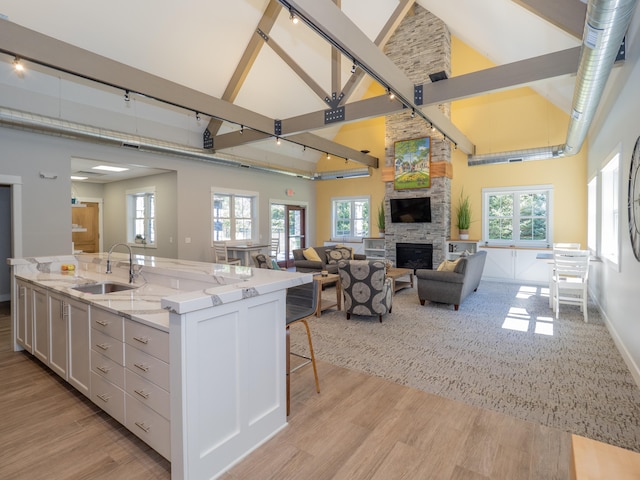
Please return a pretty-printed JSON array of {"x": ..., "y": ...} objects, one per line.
[{"x": 192, "y": 360}]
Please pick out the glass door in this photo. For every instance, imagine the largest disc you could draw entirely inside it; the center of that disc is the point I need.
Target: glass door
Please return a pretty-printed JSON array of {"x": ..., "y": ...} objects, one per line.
[{"x": 288, "y": 230}]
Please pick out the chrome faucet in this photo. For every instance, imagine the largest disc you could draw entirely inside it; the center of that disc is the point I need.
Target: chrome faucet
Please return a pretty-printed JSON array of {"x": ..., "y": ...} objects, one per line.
[{"x": 132, "y": 274}]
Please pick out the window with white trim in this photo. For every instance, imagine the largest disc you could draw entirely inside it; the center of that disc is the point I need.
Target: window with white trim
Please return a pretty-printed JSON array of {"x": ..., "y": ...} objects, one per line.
[
  {"x": 234, "y": 215},
  {"x": 350, "y": 217},
  {"x": 141, "y": 215},
  {"x": 610, "y": 183},
  {"x": 518, "y": 216},
  {"x": 592, "y": 214}
]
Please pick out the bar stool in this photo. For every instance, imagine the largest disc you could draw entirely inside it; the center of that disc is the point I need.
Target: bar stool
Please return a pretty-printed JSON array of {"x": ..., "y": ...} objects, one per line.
[{"x": 302, "y": 301}]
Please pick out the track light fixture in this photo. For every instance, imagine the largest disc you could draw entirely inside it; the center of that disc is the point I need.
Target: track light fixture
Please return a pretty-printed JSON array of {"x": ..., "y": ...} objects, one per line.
[
  {"x": 391, "y": 94},
  {"x": 433, "y": 128},
  {"x": 328, "y": 156},
  {"x": 293, "y": 17},
  {"x": 17, "y": 65},
  {"x": 353, "y": 68},
  {"x": 413, "y": 113},
  {"x": 126, "y": 96},
  {"x": 277, "y": 140},
  {"x": 198, "y": 116}
]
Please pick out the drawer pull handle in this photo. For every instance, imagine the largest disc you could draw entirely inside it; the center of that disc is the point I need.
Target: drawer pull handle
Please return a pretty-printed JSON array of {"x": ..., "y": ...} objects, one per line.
[
  {"x": 142, "y": 367},
  {"x": 104, "y": 369},
  {"x": 104, "y": 397},
  {"x": 143, "y": 426},
  {"x": 142, "y": 393},
  {"x": 102, "y": 322},
  {"x": 103, "y": 346},
  {"x": 141, "y": 339}
]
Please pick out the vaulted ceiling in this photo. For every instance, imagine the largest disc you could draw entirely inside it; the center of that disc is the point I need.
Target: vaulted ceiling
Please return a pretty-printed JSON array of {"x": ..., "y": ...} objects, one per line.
[{"x": 242, "y": 64}]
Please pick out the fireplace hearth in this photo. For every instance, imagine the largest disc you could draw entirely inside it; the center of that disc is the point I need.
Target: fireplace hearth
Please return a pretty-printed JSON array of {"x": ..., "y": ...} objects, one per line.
[{"x": 414, "y": 255}]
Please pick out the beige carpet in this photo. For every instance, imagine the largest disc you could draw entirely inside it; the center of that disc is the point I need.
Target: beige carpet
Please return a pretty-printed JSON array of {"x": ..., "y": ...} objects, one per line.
[{"x": 503, "y": 350}]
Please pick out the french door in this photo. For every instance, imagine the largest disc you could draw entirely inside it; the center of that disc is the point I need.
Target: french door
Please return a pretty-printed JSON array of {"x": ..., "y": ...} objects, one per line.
[{"x": 288, "y": 226}]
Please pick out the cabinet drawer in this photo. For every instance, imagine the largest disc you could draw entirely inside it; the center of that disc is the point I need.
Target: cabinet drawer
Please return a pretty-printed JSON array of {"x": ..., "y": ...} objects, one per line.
[
  {"x": 108, "y": 397},
  {"x": 152, "y": 428},
  {"x": 109, "y": 323},
  {"x": 147, "y": 393},
  {"x": 107, "y": 368},
  {"x": 107, "y": 345},
  {"x": 150, "y": 340},
  {"x": 147, "y": 366}
]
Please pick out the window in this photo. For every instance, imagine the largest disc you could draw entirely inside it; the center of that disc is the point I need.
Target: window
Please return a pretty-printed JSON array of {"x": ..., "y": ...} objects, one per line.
[
  {"x": 234, "y": 215},
  {"x": 610, "y": 181},
  {"x": 141, "y": 214},
  {"x": 517, "y": 216},
  {"x": 350, "y": 217},
  {"x": 592, "y": 218}
]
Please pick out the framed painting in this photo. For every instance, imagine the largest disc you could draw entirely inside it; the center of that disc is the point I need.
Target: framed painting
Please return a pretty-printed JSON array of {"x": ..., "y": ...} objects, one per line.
[{"x": 412, "y": 164}]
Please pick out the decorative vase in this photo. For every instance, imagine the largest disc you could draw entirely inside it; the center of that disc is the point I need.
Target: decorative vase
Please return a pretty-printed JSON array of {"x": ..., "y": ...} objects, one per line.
[
  {"x": 381, "y": 233},
  {"x": 463, "y": 234}
]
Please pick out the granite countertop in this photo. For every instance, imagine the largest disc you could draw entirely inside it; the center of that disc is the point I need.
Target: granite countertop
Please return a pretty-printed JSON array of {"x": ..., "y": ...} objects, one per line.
[{"x": 165, "y": 285}]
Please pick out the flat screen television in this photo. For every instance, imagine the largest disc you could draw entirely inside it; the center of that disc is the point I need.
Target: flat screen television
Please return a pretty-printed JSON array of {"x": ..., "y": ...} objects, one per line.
[{"x": 410, "y": 210}]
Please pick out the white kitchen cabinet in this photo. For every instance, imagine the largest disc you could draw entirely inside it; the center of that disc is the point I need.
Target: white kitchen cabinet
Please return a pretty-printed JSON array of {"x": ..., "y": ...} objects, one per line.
[
  {"x": 374, "y": 248},
  {"x": 515, "y": 265},
  {"x": 69, "y": 341},
  {"x": 147, "y": 399},
  {"x": 107, "y": 362},
  {"x": 58, "y": 327},
  {"x": 24, "y": 317},
  {"x": 40, "y": 324},
  {"x": 78, "y": 359}
]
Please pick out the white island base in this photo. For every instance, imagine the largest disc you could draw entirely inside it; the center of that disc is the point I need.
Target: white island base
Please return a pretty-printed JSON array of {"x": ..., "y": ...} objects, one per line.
[{"x": 228, "y": 362}]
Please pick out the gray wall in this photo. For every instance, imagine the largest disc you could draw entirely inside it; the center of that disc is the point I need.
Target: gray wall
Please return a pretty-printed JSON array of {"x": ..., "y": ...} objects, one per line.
[{"x": 46, "y": 203}]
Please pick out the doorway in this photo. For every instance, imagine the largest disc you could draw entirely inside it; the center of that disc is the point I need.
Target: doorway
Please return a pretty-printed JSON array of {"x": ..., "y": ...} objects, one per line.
[
  {"x": 86, "y": 227},
  {"x": 288, "y": 225}
]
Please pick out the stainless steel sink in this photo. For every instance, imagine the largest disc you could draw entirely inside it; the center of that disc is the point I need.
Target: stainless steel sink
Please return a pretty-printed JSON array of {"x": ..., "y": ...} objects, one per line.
[{"x": 104, "y": 287}]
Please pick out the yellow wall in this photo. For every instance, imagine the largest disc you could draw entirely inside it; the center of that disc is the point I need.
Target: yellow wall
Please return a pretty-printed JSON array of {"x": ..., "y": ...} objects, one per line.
[
  {"x": 514, "y": 120},
  {"x": 498, "y": 122}
]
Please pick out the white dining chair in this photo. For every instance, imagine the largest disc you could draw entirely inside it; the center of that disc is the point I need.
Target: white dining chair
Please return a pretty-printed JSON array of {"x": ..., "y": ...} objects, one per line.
[
  {"x": 221, "y": 255},
  {"x": 570, "y": 279}
]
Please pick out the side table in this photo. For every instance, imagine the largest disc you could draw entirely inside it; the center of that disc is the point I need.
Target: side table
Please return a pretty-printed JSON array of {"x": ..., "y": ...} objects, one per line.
[{"x": 329, "y": 279}]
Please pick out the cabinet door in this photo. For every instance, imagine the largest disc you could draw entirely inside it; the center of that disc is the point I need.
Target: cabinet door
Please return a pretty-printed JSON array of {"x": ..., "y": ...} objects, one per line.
[
  {"x": 499, "y": 264},
  {"x": 79, "y": 368},
  {"x": 58, "y": 328},
  {"x": 41, "y": 325},
  {"x": 530, "y": 269},
  {"x": 22, "y": 315}
]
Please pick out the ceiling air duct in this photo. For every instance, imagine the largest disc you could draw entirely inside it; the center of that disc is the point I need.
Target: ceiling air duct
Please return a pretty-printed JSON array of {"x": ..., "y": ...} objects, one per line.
[{"x": 605, "y": 26}]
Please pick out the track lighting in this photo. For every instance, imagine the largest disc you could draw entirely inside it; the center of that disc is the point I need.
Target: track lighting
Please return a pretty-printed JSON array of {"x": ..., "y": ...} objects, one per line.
[
  {"x": 198, "y": 116},
  {"x": 413, "y": 113},
  {"x": 17, "y": 65},
  {"x": 241, "y": 129},
  {"x": 353, "y": 68},
  {"x": 293, "y": 17},
  {"x": 328, "y": 156},
  {"x": 433, "y": 128},
  {"x": 277, "y": 140},
  {"x": 126, "y": 96},
  {"x": 391, "y": 94}
]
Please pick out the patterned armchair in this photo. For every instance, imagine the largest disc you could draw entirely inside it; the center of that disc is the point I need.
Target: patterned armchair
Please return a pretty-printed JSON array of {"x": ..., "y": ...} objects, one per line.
[{"x": 366, "y": 288}]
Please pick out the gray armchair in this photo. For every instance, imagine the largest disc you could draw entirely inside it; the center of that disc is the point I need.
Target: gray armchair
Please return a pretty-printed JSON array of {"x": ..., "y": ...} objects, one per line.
[
  {"x": 451, "y": 287},
  {"x": 366, "y": 288}
]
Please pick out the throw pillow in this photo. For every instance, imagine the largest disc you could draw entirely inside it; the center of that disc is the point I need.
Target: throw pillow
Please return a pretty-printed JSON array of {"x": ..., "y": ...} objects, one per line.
[
  {"x": 262, "y": 261},
  {"x": 274, "y": 264},
  {"x": 311, "y": 254},
  {"x": 336, "y": 254},
  {"x": 447, "y": 266}
]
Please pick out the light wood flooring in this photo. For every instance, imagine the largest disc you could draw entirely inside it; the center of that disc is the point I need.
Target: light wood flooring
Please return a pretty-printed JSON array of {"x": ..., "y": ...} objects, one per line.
[{"x": 358, "y": 427}]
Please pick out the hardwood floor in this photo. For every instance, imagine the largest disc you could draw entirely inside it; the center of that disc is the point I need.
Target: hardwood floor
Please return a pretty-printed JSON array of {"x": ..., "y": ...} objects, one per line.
[{"x": 359, "y": 427}]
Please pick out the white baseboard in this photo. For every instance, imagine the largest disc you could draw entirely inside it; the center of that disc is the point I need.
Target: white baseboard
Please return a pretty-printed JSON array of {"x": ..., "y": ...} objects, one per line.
[{"x": 628, "y": 359}]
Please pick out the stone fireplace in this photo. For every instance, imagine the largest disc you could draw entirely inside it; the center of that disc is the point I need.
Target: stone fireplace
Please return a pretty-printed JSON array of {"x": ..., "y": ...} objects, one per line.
[{"x": 421, "y": 45}]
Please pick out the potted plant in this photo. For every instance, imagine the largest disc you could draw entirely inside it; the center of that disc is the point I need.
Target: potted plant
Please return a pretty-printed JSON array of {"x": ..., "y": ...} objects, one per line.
[
  {"x": 463, "y": 214},
  {"x": 381, "y": 218},
  {"x": 139, "y": 238}
]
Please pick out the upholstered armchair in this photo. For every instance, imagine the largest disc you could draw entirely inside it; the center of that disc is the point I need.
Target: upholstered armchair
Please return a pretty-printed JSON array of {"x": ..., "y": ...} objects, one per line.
[{"x": 366, "y": 288}]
